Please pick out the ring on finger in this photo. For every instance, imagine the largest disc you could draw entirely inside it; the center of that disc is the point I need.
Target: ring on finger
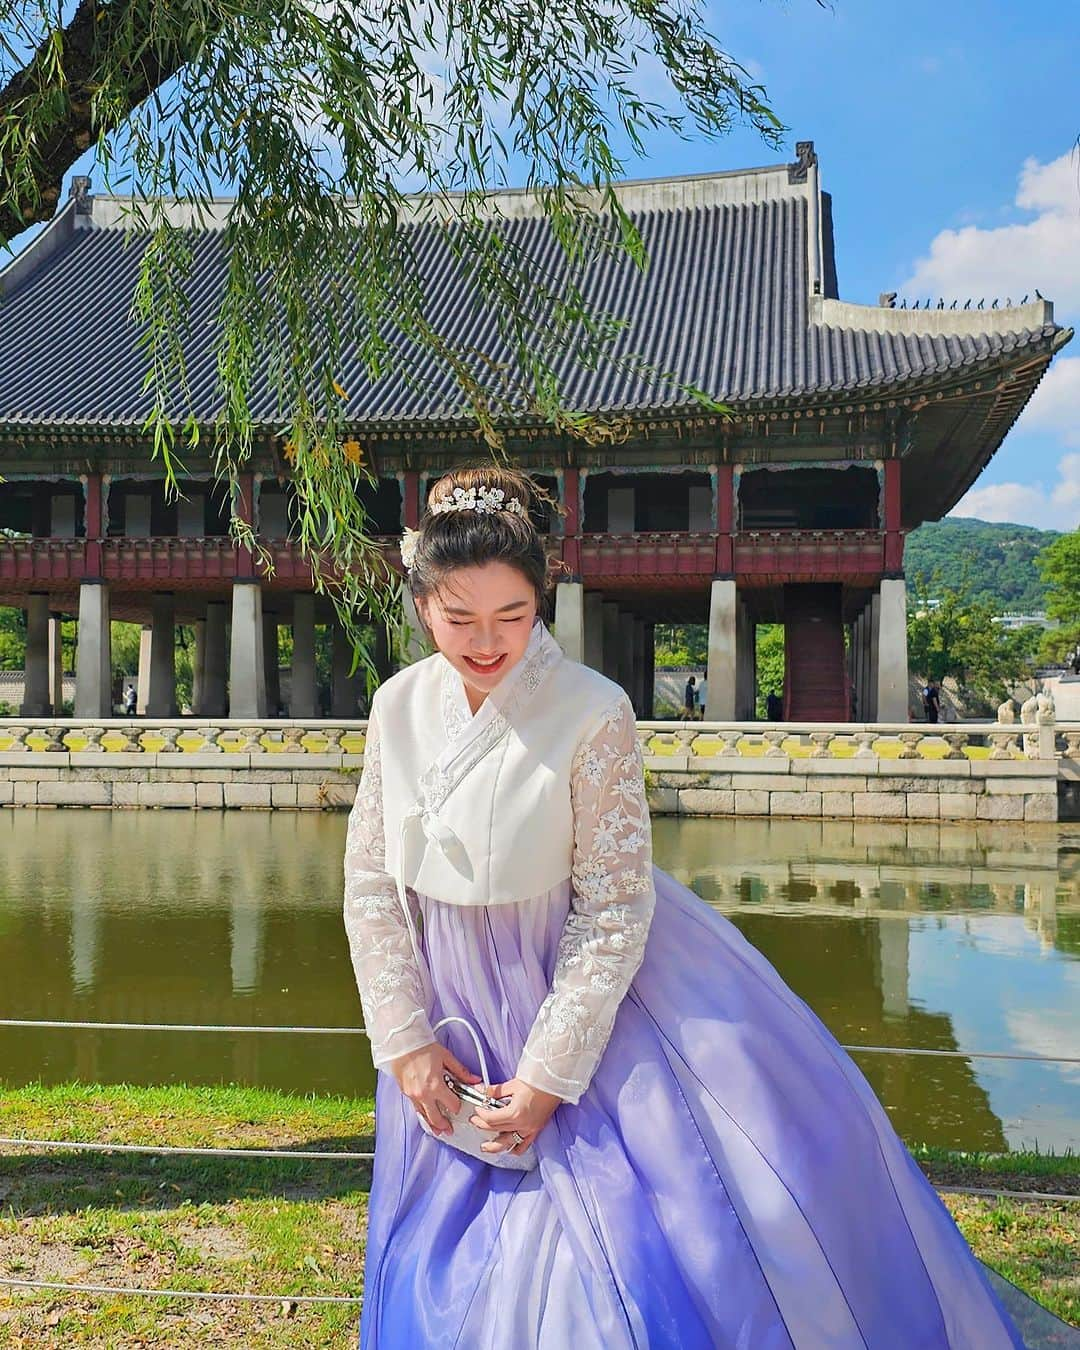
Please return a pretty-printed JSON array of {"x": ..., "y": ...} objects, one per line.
[{"x": 516, "y": 1137}]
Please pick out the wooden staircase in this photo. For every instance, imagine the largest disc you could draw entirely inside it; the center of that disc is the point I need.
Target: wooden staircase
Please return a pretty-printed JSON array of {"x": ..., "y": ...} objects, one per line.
[{"x": 816, "y": 682}]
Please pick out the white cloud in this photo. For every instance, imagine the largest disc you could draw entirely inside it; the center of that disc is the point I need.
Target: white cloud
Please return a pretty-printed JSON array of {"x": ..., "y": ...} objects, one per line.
[
  {"x": 1049, "y": 508},
  {"x": 1055, "y": 407},
  {"x": 1012, "y": 260},
  {"x": 1009, "y": 262}
]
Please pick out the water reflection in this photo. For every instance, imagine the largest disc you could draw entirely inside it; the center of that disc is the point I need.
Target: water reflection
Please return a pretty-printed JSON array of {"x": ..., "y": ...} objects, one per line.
[{"x": 944, "y": 937}]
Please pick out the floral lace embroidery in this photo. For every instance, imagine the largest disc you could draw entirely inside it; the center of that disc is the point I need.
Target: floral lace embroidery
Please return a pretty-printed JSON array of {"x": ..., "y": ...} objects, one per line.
[
  {"x": 611, "y": 908},
  {"x": 391, "y": 990}
]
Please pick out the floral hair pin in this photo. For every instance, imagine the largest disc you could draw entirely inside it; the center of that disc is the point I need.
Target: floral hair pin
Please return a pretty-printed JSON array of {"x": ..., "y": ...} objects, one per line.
[
  {"x": 477, "y": 499},
  {"x": 481, "y": 499}
]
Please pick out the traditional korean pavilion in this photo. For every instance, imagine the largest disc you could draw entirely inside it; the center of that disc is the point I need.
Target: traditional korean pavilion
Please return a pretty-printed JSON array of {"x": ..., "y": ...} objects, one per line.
[{"x": 849, "y": 425}]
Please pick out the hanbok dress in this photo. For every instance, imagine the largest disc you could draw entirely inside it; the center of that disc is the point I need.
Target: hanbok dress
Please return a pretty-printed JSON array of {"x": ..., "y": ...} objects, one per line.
[{"x": 719, "y": 1173}]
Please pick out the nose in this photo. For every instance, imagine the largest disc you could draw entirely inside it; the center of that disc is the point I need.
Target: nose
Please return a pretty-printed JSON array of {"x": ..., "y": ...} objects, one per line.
[{"x": 485, "y": 646}]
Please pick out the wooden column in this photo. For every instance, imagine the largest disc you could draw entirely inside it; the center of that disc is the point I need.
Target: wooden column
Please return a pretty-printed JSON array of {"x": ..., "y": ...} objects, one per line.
[
  {"x": 411, "y": 502},
  {"x": 725, "y": 519},
  {"x": 894, "y": 538},
  {"x": 95, "y": 524},
  {"x": 571, "y": 483},
  {"x": 245, "y": 509}
]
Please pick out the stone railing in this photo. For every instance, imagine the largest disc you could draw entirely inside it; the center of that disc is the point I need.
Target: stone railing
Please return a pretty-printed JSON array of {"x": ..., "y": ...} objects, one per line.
[
  {"x": 702, "y": 740},
  {"x": 974, "y": 772},
  {"x": 892, "y": 741},
  {"x": 183, "y": 736}
]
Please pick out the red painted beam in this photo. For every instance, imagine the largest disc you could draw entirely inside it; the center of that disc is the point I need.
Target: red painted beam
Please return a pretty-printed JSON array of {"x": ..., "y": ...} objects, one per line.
[
  {"x": 894, "y": 538},
  {"x": 725, "y": 520},
  {"x": 411, "y": 502},
  {"x": 245, "y": 509},
  {"x": 571, "y": 485},
  {"x": 94, "y": 524}
]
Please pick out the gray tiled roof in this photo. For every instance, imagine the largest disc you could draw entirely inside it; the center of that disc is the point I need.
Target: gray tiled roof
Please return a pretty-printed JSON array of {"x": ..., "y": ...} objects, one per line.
[{"x": 726, "y": 301}]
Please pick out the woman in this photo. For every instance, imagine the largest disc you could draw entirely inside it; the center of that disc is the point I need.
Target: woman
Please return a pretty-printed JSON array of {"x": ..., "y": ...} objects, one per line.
[{"x": 713, "y": 1170}]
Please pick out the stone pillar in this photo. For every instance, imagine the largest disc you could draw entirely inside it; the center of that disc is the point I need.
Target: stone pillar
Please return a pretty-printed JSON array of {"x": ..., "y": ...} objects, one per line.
[
  {"x": 594, "y": 630},
  {"x": 649, "y": 711},
  {"x": 720, "y": 672},
  {"x": 626, "y": 651},
  {"x": 36, "y": 701},
  {"x": 610, "y": 620},
  {"x": 56, "y": 666},
  {"x": 304, "y": 691},
  {"x": 198, "y": 665},
  {"x": 344, "y": 688},
  {"x": 745, "y": 681},
  {"x": 570, "y": 619},
  {"x": 213, "y": 701},
  {"x": 892, "y": 703},
  {"x": 93, "y": 653},
  {"x": 861, "y": 667},
  {"x": 161, "y": 700},
  {"x": 142, "y": 683},
  {"x": 637, "y": 696},
  {"x": 271, "y": 665},
  {"x": 247, "y": 673},
  {"x": 872, "y": 657}
]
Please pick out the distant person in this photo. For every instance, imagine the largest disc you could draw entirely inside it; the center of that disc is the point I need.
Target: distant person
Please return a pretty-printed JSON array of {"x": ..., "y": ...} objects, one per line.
[
  {"x": 931, "y": 698},
  {"x": 131, "y": 697},
  {"x": 690, "y": 699},
  {"x": 774, "y": 706},
  {"x": 1074, "y": 660}
]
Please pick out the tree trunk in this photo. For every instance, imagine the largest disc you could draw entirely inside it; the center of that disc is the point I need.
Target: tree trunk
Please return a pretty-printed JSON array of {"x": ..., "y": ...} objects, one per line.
[{"x": 148, "y": 29}]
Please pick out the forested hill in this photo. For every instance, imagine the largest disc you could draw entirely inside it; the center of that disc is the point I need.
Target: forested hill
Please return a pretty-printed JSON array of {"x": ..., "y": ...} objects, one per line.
[{"x": 1000, "y": 559}]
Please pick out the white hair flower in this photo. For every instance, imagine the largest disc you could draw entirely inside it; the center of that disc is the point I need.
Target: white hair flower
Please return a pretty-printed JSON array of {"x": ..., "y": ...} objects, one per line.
[{"x": 409, "y": 540}]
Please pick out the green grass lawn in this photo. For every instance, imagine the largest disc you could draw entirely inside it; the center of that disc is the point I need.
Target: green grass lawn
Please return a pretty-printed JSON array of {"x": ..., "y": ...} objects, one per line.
[{"x": 294, "y": 1227}]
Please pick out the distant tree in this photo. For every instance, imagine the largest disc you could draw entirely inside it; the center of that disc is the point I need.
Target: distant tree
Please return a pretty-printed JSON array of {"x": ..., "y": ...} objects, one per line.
[
  {"x": 770, "y": 663},
  {"x": 682, "y": 644},
  {"x": 1000, "y": 559},
  {"x": 950, "y": 634}
]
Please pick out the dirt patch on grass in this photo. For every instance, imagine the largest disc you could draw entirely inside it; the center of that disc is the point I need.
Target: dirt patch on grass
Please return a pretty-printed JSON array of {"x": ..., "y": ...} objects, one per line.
[{"x": 956, "y": 1174}]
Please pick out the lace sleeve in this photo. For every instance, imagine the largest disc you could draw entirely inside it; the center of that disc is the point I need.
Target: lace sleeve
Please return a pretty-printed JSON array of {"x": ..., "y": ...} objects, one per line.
[
  {"x": 387, "y": 977},
  {"x": 611, "y": 907}
]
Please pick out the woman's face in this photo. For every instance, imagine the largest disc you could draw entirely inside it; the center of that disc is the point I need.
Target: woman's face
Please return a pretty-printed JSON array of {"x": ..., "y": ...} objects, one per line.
[{"x": 481, "y": 619}]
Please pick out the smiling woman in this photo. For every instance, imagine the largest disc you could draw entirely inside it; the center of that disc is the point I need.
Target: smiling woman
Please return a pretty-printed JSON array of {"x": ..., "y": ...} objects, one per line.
[{"x": 669, "y": 1122}]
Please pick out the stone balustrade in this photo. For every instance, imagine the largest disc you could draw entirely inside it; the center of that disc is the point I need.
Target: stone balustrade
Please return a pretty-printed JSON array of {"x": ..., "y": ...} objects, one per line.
[{"x": 949, "y": 771}]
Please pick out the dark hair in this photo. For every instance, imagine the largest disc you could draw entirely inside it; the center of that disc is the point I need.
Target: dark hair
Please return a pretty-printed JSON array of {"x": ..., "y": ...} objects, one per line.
[{"x": 464, "y": 538}]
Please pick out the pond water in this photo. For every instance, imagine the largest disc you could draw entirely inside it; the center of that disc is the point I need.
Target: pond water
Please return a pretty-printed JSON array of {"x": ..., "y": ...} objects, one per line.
[{"x": 945, "y": 938}]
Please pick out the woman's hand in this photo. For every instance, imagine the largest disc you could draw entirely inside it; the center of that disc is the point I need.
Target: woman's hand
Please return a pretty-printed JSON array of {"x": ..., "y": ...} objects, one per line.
[
  {"x": 420, "y": 1073},
  {"x": 527, "y": 1112}
]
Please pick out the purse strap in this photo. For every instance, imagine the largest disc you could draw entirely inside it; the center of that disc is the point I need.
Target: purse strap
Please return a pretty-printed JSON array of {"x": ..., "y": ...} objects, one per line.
[{"x": 475, "y": 1040}]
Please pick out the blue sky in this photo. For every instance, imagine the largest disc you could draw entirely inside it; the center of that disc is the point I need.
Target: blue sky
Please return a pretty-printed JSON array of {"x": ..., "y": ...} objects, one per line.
[{"x": 945, "y": 134}]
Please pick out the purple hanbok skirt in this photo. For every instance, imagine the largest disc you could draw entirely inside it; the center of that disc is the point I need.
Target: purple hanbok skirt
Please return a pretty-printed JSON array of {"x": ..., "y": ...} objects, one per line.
[{"x": 728, "y": 1180}]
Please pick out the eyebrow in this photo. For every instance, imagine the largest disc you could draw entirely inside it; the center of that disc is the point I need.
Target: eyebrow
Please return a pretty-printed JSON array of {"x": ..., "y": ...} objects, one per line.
[{"x": 514, "y": 604}]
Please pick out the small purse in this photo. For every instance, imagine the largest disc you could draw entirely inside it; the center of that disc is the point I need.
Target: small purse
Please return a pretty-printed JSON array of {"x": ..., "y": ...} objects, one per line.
[{"x": 466, "y": 1136}]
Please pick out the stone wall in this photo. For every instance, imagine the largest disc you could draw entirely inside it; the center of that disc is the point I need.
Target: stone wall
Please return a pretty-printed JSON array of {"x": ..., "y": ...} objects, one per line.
[
  {"x": 308, "y": 788},
  {"x": 875, "y": 789},
  {"x": 973, "y": 773}
]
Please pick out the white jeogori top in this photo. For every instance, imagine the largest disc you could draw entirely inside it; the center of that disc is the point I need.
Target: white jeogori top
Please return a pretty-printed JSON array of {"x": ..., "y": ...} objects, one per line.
[{"x": 544, "y": 784}]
